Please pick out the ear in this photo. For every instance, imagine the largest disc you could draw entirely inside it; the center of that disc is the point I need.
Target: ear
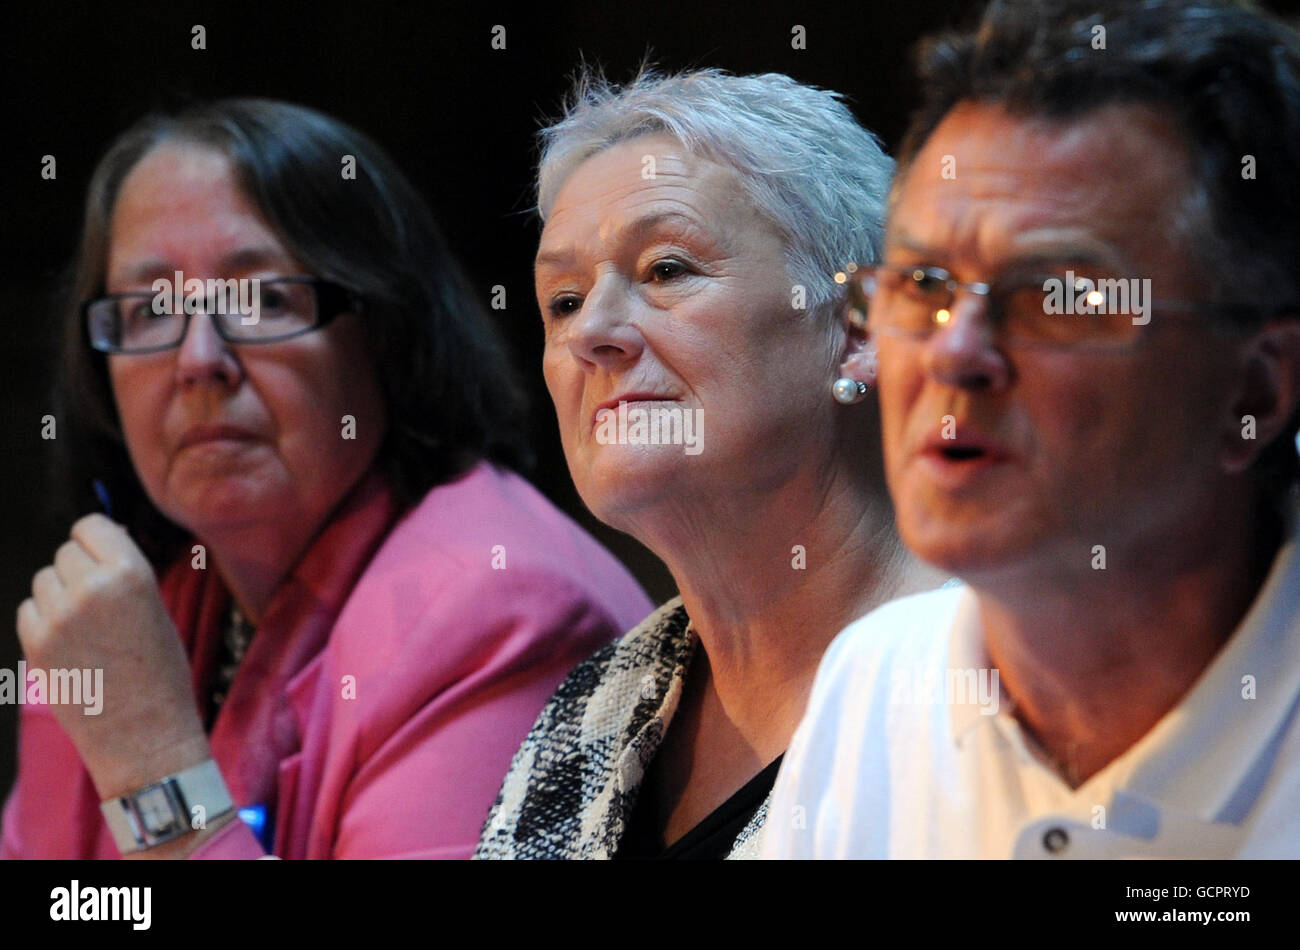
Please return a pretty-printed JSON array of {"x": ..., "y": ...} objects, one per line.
[
  {"x": 858, "y": 352},
  {"x": 1268, "y": 392}
]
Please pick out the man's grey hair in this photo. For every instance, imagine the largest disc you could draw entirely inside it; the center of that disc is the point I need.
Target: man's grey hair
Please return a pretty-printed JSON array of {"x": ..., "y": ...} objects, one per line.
[{"x": 806, "y": 164}]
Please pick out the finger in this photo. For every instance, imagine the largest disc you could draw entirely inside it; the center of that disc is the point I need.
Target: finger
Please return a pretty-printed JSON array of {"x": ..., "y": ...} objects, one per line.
[
  {"x": 48, "y": 591},
  {"x": 28, "y": 621},
  {"x": 72, "y": 562},
  {"x": 104, "y": 540}
]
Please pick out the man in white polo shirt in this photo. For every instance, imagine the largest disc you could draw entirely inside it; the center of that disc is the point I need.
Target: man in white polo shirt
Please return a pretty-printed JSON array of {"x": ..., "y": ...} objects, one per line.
[{"x": 1088, "y": 333}]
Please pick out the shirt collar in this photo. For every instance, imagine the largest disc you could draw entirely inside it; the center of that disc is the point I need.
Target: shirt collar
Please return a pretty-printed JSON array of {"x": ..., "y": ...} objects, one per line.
[
  {"x": 966, "y": 651},
  {"x": 1199, "y": 754},
  {"x": 1198, "y": 757}
]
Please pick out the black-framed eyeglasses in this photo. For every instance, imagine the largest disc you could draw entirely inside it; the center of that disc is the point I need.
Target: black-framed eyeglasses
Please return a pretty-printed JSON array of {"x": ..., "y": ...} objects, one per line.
[
  {"x": 1055, "y": 309},
  {"x": 257, "y": 311}
]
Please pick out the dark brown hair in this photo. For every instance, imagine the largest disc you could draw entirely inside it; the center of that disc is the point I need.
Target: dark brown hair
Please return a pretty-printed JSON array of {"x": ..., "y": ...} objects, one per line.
[{"x": 450, "y": 396}]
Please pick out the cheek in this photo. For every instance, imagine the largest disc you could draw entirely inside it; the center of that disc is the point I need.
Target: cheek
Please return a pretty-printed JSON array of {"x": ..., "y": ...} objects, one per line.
[
  {"x": 139, "y": 392},
  {"x": 563, "y": 383},
  {"x": 741, "y": 354},
  {"x": 323, "y": 405},
  {"x": 552, "y": 370},
  {"x": 1099, "y": 432},
  {"x": 898, "y": 382},
  {"x": 1070, "y": 439}
]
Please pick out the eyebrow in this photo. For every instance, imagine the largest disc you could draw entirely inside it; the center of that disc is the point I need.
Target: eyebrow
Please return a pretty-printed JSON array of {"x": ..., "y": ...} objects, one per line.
[
  {"x": 637, "y": 229},
  {"x": 246, "y": 258},
  {"x": 909, "y": 244},
  {"x": 1085, "y": 253}
]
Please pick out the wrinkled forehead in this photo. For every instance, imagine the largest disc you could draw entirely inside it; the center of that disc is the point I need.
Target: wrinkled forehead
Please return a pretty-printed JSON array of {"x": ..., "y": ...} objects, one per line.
[
  {"x": 630, "y": 165},
  {"x": 987, "y": 181},
  {"x": 652, "y": 176},
  {"x": 641, "y": 152}
]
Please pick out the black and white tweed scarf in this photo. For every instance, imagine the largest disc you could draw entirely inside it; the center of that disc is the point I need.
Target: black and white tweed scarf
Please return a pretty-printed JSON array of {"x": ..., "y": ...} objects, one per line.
[{"x": 573, "y": 783}]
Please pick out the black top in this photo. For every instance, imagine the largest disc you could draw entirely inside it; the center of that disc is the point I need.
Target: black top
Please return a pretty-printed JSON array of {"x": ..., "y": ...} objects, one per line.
[{"x": 711, "y": 839}]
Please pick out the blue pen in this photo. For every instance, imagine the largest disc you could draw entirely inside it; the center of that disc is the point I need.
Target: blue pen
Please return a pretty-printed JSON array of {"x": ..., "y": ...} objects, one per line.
[
  {"x": 102, "y": 494},
  {"x": 255, "y": 817}
]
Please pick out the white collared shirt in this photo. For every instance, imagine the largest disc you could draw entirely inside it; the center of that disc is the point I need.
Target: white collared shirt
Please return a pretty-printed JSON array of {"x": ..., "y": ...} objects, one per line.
[{"x": 908, "y": 751}]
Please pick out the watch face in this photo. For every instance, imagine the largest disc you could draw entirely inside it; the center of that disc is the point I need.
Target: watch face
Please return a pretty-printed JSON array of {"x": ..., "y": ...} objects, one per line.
[{"x": 156, "y": 811}]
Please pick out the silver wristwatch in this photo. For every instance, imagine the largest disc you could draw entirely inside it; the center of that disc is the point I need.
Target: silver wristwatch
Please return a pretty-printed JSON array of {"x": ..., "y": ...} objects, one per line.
[{"x": 167, "y": 809}]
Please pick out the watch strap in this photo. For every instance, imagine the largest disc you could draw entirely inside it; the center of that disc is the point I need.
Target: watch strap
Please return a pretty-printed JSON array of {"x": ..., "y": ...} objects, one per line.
[{"x": 167, "y": 809}]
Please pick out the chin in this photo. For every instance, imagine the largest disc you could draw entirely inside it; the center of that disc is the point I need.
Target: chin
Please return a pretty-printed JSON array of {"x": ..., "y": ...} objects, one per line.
[
  {"x": 955, "y": 541},
  {"x": 623, "y": 480},
  {"x": 227, "y": 503},
  {"x": 958, "y": 557},
  {"x": 981, "y": 548}
]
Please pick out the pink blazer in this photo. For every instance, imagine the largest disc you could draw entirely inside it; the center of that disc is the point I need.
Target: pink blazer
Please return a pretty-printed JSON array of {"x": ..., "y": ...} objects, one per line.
[{"x": 390, "y": 739}]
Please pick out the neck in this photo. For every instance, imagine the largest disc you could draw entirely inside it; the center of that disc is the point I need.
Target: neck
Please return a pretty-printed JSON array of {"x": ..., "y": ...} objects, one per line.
[
  {"x": 254, "y": 559},
  {"x": 767, "y": 595},
  {"x": 1093, "y": 660}
]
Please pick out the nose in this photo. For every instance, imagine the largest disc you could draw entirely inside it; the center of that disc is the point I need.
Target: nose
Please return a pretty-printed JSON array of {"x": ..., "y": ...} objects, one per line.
[
  {"x": 964, "y": 352},
  {"x": 204, "y": 356},
  {"x": 601, "y": 334}
]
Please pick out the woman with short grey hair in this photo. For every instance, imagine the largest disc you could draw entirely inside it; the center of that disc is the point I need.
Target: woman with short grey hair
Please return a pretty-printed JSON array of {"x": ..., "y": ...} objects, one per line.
[{"x": 714, "y": 402}]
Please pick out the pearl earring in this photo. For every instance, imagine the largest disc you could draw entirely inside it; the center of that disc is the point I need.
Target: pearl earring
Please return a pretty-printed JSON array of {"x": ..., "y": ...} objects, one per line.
[{"x": 848, "y": 391}]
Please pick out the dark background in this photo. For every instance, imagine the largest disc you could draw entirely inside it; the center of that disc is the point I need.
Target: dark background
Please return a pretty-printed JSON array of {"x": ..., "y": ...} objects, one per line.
[{"x": 457, "y": 116}]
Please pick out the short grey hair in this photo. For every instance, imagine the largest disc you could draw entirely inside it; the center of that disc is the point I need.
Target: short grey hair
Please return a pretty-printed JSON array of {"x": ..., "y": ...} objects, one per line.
[{"x": 807, "y": 165}]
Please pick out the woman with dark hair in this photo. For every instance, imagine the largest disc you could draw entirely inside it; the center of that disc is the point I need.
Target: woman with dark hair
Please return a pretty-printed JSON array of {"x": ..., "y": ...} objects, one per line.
[{"x": 322, "y": 611}]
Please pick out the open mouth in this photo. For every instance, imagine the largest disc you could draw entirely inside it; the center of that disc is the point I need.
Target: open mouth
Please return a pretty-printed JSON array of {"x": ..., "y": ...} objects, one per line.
[{"x": 962, "y": 454}]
